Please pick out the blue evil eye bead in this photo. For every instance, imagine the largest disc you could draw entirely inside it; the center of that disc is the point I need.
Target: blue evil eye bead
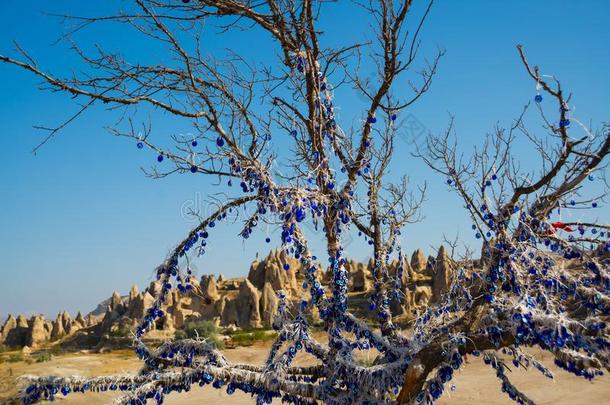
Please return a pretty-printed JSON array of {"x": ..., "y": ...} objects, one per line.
[
  {"x": 594, "y": 205},
  {"x": 371, "y": 120},
  {"x": 572, "y": 203},
  {"x": 494, "y": 177},
  {"x": 478, "y": 236},
  {"x": 267, "y": 240},
  {"x": 331, "y": 186},
  {"x": 140, "y": 145},
  {"x": 591, "y": 177},
  {"x": 286, "y": 266},
  {"x": 393, "y": 117},
  {"x": 194, "y": 143},
  {"x": 194, "y": 169},
  {"x": 449, "y": 181},
  {"x": 564, "y": 123},
  {"x": 160, "y": 158},
  {"x": 220, "y": 142},
  {"x": 299, "y": 214},
  {"x": 538, "y": 98}
]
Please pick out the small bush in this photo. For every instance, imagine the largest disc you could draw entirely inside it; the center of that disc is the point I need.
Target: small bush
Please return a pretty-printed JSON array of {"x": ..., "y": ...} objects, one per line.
[
  {"x": 121, "y": 332},
  {"x": 15, "y": 357},
  {"x": 43, "y": 357},
  {"x": 248, "y": 338},
  {"x": 4, "y": 348},
  {"x": 202, "y": 329},
  {"x": 55, "y": 350}
]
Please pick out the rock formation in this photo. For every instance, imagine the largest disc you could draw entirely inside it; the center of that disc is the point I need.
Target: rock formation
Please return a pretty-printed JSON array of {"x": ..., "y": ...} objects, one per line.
[
  {"x": 443, "y": 270},
  {"x": 236, "y": 302},
  {"x": 359, "y": 276},
  {"x": 228, "y": 315},
  {"x": 268, "y": 305},
  {"x": 418, "y": 261},
  {"x": 247, "y": 301},
  {"x": 37, "y": 334},
  {"x": 276, "y": 269},
  {"x": 58, "y": 331},
  {"x": 209, "y": 289}
]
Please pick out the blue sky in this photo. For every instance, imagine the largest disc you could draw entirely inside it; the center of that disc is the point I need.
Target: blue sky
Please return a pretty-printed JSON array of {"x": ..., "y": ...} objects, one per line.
[{"x": 79, "y": 219}]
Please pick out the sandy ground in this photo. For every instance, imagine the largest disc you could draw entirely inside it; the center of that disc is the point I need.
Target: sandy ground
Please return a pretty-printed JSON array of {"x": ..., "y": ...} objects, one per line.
[{"x": 474, "y": 384}]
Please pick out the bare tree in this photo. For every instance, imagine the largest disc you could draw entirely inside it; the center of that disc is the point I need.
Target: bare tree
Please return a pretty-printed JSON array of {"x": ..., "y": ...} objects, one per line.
[
  {"x": 537, "y": 284},
  {"x": 336, "y": 178}
]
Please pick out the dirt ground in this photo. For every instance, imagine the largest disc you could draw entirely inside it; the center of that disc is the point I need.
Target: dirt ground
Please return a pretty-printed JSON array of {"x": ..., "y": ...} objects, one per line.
[{"x": 474, "y": 384}]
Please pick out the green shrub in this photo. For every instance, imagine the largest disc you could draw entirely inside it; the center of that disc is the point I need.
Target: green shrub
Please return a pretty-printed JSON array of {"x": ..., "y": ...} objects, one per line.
[
  {"x": 55, "y": 350},
  {"x": 248, "y": 338},
  {"x": 202, "y": 329},
  {"x": 121, "y": 332},
  {"x": 15, "y": 357},
  {"x": 43, "y": 357},
  {"x": 4, "y": 348}
]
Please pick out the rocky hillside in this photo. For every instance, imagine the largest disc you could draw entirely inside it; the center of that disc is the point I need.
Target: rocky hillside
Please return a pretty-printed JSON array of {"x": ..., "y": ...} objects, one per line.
[{"x": 244, "y": 303}]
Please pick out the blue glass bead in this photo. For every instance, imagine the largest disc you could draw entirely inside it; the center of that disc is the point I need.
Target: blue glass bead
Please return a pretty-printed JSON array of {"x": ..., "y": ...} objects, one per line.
[
  {"x": 140, "y": 145},
  {"x": 160, "y": 158},
  {"x": 371, "y": 120},
  {"x": 267, "y": 240},
  {"x": 194, "y": 143},
  {"x": 194, "y": 169},
  {"x": 538, "y": 98},
  {"x": 393, "y": 117},
  {"x": 220, "y": 142},
  {"x": 299, "y": 214},
  {"x": 286, "y": 266},
  {"x": 594, "y": 205}
]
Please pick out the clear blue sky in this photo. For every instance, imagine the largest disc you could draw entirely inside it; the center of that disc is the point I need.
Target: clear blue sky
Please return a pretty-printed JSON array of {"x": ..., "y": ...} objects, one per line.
[{"x": 79, "y": 219}]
